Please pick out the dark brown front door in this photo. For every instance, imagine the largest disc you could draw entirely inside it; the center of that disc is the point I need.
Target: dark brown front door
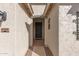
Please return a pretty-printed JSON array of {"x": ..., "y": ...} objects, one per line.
[{"x": 38, "y": 30}]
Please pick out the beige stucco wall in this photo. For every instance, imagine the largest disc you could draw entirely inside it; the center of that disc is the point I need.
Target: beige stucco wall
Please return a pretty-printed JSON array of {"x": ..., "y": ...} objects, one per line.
[
  {"x": 51, "y": 36},
  {"x": 22, "y": 33},
  {"x": 7, "y": 39},
  {"x": 16, "y": 42},
  {"x": 68, "y": 45}
]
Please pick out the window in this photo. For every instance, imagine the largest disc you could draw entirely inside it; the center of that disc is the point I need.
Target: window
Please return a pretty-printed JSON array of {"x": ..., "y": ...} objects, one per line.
[{"x": 77, "y": 25}]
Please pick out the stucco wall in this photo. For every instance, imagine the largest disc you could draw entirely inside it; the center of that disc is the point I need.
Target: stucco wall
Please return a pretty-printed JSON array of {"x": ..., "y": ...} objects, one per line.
[
  {"x": 68, "y": 45},
  {"x": 7, "y": 39},
  {"x": 16, "y": 42},
  {"x": 22, "y": 33},
  {"x": 51, "y": 36}
]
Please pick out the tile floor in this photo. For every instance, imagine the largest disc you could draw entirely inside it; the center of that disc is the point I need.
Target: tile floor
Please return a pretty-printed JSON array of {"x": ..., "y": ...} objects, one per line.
[{"x": 39, "y": 49}]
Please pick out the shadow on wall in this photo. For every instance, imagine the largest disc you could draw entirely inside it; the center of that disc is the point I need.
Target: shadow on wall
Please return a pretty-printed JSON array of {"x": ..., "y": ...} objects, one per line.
[{"x": 28, "y": 27}]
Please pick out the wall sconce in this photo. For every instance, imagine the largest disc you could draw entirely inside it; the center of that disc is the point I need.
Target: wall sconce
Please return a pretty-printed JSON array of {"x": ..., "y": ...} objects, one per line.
[
  {"x": 77, "y": 26},
  {"x": 49, "y": 23},
  {"x": 2, "y": 17}
]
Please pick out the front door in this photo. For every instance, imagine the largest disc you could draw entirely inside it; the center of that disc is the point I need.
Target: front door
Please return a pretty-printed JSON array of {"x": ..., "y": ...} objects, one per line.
[{"x": 38, "y": 30}]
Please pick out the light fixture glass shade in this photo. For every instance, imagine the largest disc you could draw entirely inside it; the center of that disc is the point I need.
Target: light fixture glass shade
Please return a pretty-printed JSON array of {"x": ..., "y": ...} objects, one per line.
[{"x": 2, "y": 17}]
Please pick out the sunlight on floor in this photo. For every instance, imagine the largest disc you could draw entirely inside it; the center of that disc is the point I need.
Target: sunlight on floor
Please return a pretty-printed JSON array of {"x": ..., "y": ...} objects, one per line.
[
  {"x": 39, "y": 50},
  {"x": 34, "y": 54}
]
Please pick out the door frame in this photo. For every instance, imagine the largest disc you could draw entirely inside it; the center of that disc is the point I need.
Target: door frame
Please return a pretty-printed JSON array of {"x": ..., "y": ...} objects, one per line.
[{"x": 43, "y": 27}]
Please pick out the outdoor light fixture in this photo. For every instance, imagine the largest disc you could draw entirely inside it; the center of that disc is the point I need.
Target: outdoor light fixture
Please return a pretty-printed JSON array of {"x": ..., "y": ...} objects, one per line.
[
  {"x": 49, "y": 23},
  {"x": 77, "y": 25},
  {"x": 3, "y": 16}
]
